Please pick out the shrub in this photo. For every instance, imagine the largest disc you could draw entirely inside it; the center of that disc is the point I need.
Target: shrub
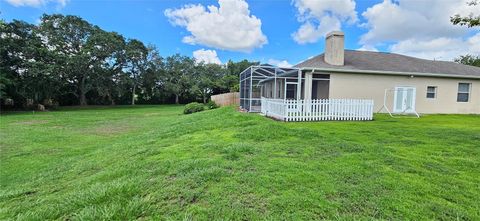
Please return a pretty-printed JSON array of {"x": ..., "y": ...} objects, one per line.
[
  {"x": 212, "y": 105},
  {"x": 193, "y": 107}
]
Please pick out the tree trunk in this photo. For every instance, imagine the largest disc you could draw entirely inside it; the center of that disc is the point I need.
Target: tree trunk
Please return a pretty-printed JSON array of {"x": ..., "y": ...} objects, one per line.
[
  {"x": 81, "y": 90},
  {"x": 36, "y": 99},
  {"x": 109, "y": 97},
  {"x": 83, "y": 99},
  {"x": 204, "y": 99},
  {"x": 133, "y": 95},
  {"x": 176, "y": 99}
]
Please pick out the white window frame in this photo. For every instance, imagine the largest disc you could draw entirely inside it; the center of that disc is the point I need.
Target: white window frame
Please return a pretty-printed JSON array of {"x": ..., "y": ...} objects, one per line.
[
  {"x": 286, "y": 85},
  {"x": 469, "y": 92},
  {"x": 435, "y": 91}
]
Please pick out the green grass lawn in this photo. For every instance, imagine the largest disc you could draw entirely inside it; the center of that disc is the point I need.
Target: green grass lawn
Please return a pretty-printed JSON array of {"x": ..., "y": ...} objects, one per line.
[{"x": 152, "y": 162}]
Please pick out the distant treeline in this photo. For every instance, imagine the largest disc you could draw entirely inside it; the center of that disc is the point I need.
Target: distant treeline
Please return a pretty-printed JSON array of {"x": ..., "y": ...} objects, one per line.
[{"x": 64, "y": 60}]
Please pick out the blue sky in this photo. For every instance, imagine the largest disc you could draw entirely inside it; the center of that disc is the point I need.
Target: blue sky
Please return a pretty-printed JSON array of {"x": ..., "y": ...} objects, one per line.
[{"x": 287, "y": 33}]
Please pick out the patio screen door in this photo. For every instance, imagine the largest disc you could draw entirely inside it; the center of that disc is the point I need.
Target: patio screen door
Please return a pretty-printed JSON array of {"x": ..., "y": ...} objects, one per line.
[
  {"x": 404, "y": 100},
  {"x": 291, "y": 90}
]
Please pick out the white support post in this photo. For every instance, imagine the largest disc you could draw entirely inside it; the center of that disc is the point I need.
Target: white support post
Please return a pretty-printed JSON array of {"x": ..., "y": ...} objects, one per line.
[
  {"x": 275, "y": 86},
  {"x": 261, "y": 90},
  {"x": 307, "y": 97},
  {"x": 240, "y": 89},
  {"x": 251, "y": 88},
  {"x": 299, "y": 85},
  {"x": 308, "y": 86}
]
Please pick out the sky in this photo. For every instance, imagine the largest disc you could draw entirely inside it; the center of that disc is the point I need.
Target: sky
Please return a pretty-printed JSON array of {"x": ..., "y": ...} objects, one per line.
[{"x": 279, "y": 32}]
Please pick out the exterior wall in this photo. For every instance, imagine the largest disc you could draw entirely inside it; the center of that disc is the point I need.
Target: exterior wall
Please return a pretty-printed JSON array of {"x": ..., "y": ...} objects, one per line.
[
  {"x": 364, "y": 86},
  {"x": 321, "y": 92}
]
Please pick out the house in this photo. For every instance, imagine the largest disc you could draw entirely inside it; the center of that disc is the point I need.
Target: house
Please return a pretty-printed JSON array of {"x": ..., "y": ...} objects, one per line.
[{"x": 395, "y": 83}]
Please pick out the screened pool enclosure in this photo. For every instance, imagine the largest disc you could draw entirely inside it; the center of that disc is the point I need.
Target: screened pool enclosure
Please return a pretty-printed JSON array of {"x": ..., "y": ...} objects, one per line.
[
  {"x": 251, "y": 84},
  {"x": 297, "y": 94}
]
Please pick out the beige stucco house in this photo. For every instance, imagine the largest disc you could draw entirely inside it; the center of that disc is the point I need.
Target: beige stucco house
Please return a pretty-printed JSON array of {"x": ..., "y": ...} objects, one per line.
[{"x": 396, "y": 83}]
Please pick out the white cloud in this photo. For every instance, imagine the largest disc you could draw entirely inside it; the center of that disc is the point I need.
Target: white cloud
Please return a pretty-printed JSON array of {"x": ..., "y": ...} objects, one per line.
[
  {"x": 280, "y": 63},
  {"x": 367, "y": 48},
  {"x": 419, "y": 28},
  {"x": 389, "y": 21},
  {"x": 229, "y": 26},
  {"x": 318, "y": 17},
  {"x": 309, "y": 33},
  {"x": 36, "y": 3},
  {"x": 439, "y": 49},
  {"x": 206, "y": 56}
]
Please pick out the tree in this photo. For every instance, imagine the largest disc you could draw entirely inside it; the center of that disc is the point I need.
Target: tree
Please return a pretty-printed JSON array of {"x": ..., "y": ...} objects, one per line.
[
  {"x": 66, "y": 58},
  {"x": 4, "y": 79},
  {"x": 68, "y": 37},
  {"x": 136, "y": 63},
  {"x": 178, "y": 75},
  {"x": 470, "y": 20},
  {"x": 107, "y": 50},
  {"x": 26, "y": 66},
  {"x": 151, "y": 80},
  {"x": 468, "y": 60},
  {"x": 8, "y": 48},
  {"x": 231, "y": 79},
  {"x": 206, "y": 79}
]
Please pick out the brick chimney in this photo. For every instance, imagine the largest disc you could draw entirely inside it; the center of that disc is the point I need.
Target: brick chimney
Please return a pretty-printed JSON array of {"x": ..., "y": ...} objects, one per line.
[{"x": 334, "y": 48}]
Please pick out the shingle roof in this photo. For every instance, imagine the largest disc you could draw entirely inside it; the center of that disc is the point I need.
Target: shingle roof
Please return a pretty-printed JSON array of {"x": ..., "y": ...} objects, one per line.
[{"x": 382, "y": 61}]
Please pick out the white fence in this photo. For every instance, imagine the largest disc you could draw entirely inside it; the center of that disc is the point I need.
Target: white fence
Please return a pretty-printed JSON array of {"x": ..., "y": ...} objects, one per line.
[{"x": 316, "y": 110}]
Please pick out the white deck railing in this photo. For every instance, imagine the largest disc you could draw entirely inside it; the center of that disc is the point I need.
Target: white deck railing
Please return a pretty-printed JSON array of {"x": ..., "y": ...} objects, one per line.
[{"x": 317, "y": 110}]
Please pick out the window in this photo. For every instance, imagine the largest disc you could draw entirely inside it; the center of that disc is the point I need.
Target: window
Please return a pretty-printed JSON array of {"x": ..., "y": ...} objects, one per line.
[
  {"x": 431, "y": 92},
  {"x": 463, "y": 92}
]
